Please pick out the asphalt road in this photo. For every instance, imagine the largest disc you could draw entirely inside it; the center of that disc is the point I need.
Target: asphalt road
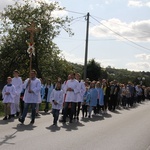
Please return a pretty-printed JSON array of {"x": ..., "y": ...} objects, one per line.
[{"x": 121, "y": 130}]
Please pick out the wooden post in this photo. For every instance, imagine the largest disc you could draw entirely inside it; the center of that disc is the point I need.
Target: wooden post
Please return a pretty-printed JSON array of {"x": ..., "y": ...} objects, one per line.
[{"x": 86, "y": 48}]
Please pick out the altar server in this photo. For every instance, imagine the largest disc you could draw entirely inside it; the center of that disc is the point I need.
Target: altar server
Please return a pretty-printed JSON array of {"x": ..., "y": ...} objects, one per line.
[
  {"x": 8, "y": 94},
  {"x": 17, "y": 82},
  {"x": 56, "y": 100},
  {"x": 32, "y": 95}
]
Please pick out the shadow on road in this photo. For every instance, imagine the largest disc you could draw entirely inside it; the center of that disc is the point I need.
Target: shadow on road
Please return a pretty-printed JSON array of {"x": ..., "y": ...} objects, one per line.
[
  {"x": 96, "y": 118},
  {"x": 7, "y": 138},
  {"x": 85, "y": 119},
  {"x": 116, "y": 112},
  {"x": 4, "y": 122},
  {"x": 23, "y": 127},
  {"x": 53, "y": 128},
  {"x": 72, "y": 126},
  {"x": 106, "y": 115}
]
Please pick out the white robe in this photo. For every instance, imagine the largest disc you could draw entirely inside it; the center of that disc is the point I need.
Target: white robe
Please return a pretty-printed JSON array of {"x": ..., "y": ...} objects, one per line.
[
  {"x": 35, "y": 86},
  {"x": 81, "y": 92},
  {"x": 17, "y": 82},
  {"x": 8, "y": 98},
  {"x": 71, "y": 96},
  {"x": 57, "y": 95}
]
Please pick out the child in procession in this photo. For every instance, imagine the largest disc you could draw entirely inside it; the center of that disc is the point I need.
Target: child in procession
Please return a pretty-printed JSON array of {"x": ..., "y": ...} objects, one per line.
[
  {"x": 56, "y": 100},
  {"x": 86, "y": 101},
  {"x": 93, "y": 100},
  {"x": 8, "y": 94}
]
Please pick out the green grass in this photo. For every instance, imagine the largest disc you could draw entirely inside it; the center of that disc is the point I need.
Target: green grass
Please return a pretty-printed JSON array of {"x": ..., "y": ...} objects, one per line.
[
  {"x": 1, "y": 109},
  {"x": 42, "y": 106}
]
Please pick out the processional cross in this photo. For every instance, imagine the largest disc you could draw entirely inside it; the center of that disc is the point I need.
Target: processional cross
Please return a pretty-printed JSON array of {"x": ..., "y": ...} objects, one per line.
[{"x": 31, "y": 50}]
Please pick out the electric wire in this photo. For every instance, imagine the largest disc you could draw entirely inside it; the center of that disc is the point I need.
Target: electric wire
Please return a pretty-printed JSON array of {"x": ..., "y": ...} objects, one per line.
[{"x": 121, "y": 35}]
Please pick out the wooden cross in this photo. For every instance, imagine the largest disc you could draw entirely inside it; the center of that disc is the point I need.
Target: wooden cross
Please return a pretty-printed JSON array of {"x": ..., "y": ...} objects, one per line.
[{"x": 32, "y": 30}]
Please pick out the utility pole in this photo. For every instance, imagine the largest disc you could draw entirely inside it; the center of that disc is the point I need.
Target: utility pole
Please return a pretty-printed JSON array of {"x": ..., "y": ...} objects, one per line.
[{"x": 86, "y": 47}]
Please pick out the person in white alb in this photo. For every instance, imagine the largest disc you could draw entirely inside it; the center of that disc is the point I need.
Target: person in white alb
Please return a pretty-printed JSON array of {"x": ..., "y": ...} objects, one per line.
[
  {"x": 8, "y": 94},
  {"x": 32, "y": 96},
  {"x": 17, "y": 82},
  {"x": 71, "y": 90},
  {"x": 56, "y": 100},
  {"x": 82, "y": 89}
]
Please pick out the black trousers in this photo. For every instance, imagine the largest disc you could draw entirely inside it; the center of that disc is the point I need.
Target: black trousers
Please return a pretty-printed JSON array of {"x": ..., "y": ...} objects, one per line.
[
  {"x": 84, "y": 110},
  {"x": 113, "y": 102},
  {"x": 77, "y": 109},
  {"x": 72, "y": 112}
]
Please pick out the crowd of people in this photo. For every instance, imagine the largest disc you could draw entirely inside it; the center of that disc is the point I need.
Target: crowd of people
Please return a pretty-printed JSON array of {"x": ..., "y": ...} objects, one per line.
[{"x": 70, "y": 96}]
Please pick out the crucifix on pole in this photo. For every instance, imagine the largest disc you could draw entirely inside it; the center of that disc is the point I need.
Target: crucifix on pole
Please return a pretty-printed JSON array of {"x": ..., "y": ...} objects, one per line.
[{"x": 31, "y": 50}]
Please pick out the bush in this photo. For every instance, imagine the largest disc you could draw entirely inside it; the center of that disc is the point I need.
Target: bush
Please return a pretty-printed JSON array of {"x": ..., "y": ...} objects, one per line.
[{"x": 1, "y": 108}]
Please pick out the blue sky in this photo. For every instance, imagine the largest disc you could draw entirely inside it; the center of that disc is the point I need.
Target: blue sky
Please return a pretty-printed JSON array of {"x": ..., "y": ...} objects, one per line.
[
  {"x": 108, "y": 19},
  {"x": 119, "y": 33}
]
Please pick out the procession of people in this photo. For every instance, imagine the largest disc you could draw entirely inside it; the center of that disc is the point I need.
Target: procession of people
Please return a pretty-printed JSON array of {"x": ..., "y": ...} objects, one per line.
[{"x": 71, "y": 96}]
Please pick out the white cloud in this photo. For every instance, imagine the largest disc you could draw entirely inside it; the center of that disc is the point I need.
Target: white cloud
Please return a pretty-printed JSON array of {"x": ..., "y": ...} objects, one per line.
[
  {"x": 108, "y": 2},
  {"x": 59, "y": 13},
  {"x": 106, "y": 62},
  {"x": 143, "y": 56},
  {"x": 6, "y": 3},
  {"x": 72, "y": 58},
  {"x": 100, "y": 4},
  {"x": 142, "y": 65},
  {"x": 138, "y": 66},
  {"x": 12, "y": 2},
  {"x": 138, "y": 3},
  {"x": 135, "y": 31},
  {"x": 133, "y": 66}
]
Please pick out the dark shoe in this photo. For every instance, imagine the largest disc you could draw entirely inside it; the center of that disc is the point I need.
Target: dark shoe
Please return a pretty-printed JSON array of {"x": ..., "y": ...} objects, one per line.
[
  {"x": 17, "y": 114},
  {"x": 21, "y": 120},
  {"x": 37, "y": 114},
  {"x": 32, "y": 122},
  {"x": 46, "y": 110},
  {"x": 5, "y": 118},
  {"x": 63, "y": 121},
  {"x": 9, "y": 117},
  {"x": 12, "y": 116},
  {"x": 75, "y": 118},
  {"x": 54, "y": 124}
]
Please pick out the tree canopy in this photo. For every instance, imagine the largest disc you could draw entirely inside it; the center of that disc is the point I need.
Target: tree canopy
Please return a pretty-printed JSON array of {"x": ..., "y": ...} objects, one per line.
[
  {"x": 93, "y": 70},
  {"x": 13, "y": 49}
]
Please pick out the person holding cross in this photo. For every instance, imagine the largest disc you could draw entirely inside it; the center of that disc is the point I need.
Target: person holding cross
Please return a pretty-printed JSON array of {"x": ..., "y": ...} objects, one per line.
[{"x": 32, "y": 95}]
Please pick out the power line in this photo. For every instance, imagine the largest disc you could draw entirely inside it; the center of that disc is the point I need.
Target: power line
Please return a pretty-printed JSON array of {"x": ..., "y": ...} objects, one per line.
[
  {"x": 112, "y": 39},
  {"x": 77, "y": 20},
  {"x": 75, "y": 12},
  {"x": 120, "y": 24},
  {"x": 121, "y": 35},
  {"x": 74, "y": 39}
]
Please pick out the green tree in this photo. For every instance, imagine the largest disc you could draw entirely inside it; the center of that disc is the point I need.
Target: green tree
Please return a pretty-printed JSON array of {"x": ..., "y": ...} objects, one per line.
[
  {"x": 13, "y": 49},
  {"x": 93, "y": 70}
]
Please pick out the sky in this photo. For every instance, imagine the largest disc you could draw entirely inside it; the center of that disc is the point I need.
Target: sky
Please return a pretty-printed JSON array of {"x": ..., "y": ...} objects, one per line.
[{"x": 119, "y": 32}]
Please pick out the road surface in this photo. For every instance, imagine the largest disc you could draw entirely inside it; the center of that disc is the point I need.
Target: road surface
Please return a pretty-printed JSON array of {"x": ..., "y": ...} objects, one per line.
[{"x": 121, "y": 130}]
